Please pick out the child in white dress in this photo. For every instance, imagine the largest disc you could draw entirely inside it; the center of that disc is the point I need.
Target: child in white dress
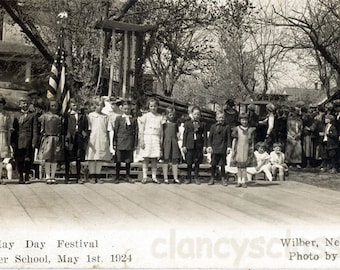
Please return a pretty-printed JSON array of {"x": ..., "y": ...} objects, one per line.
[
  {"x": 100, "y": 144},
  {"x": 263, "y": 162},
  {"x": 277, "y": 159},
  {"x": 5, "y": 149},
  {"x": 151, "y": 137}
]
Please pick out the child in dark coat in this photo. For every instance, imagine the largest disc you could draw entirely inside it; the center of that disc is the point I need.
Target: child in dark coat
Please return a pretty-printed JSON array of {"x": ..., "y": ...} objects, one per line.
[
  {"x": 76, "y": 135},
  {"x": 171, "y": 152},
  {"x": 219, "y": 142},
  {"x": 24, "y": 139},
  {"x": 125, "y": 140},
  {"x": 194, "y": 143}
]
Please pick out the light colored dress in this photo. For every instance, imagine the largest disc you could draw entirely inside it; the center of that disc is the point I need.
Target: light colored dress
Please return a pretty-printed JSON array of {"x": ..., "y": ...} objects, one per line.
[
  {"x": 98, "y": 147},
  {"x": 152, "y": 135},
  {"x": 293, "y": 152},
  {"x": 4, "y": 133},
  {"x": 243, "y": 148},
  {"x": 278, "y": 161},
  {"x": 263, "y": 165}
]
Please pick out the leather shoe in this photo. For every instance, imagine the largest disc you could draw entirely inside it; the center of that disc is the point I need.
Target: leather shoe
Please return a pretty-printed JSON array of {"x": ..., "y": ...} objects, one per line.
[
  {"x": 80, "y": 181},
  {"x": 211, "y": 182}
]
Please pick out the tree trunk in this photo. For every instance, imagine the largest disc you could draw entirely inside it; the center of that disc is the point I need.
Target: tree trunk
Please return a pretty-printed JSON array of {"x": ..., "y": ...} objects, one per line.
[{"x": 34, "y": 38}]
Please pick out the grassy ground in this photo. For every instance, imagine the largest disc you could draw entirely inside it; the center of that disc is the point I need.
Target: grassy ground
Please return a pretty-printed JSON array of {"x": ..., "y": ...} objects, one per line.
[{"x": 316, "y": 178}]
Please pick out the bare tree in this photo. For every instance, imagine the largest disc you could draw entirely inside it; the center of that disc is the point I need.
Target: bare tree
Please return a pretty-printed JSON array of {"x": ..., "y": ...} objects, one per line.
[
  {"x": 316, "y": 27},
  {"x": 265, "y": 39},
  {"x": 180, "y": 43},
  {"x": 234, "y": 32}
]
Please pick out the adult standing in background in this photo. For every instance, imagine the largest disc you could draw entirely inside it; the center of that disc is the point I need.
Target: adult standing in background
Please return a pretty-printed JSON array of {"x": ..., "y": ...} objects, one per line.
[
  {"x": 5, "y": 149},
  {"x": 269, "y": 121},
  {"x": 34, "y": 96},
  {"x": 293, "y": 151},
  {"x": 230, "y": 114},
  {"x": 337, "y": 125},
  {"x": 316, "y": 128},
  {"x": 254, "y": 120},
  {"x": 307, "y": 145}
]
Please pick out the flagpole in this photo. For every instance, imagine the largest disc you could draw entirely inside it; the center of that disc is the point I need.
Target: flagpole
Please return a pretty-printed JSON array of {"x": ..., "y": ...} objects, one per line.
[
  {"x": 55, "y": 69},
  {"x": 57, "y": 80}
]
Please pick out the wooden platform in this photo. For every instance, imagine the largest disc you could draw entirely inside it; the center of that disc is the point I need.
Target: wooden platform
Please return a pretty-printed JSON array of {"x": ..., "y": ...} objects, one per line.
[{"x": 127, "y": 205}]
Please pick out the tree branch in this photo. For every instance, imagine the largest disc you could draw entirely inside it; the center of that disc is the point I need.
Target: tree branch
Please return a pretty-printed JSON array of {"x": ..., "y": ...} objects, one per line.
[{"x": 34, "y": 37}]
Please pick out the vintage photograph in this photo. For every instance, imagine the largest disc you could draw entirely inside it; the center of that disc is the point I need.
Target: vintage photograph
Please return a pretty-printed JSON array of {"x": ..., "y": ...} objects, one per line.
[{"x": 169, "y": 134}]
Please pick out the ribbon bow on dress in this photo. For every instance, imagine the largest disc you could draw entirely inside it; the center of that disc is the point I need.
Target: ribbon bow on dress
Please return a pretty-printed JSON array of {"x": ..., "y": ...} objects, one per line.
[{"x": 127, "y": 119}]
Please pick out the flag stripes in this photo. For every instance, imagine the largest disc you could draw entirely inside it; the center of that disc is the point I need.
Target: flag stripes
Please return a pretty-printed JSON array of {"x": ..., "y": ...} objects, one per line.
[{"x": 57, "y": 80}]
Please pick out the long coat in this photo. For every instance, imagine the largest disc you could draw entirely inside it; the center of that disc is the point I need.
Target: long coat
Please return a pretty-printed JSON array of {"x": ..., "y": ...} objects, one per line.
[
  {"x": 219, "y": 138},
  {"x": 332, "y": 138},
  {"x": 125, "y": 136},
  {"x": 76, "y": 135},
  {"x": 25, "y": 135},
  {"x": 190, "y": 131},
  {"x": 25, "y": 131},
  {"x": 293, "y": 151}
]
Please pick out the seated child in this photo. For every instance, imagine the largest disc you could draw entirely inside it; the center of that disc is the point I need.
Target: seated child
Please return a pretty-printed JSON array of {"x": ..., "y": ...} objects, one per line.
[
  {"x": 277, "y": 159},
  {"x": 228, "y": 168},
  {"x": 263, "y": 162},
  {"x": 8, "y": 164}
]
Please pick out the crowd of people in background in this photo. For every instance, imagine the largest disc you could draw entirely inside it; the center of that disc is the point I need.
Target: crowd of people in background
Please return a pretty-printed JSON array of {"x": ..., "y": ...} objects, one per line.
[{"x": 111, "y": 130}]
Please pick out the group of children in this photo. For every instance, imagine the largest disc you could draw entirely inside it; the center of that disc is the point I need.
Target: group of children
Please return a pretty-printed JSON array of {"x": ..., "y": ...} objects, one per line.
[
  {"x": 245, "y": 158},
  {"x": 43, "y": 135}
]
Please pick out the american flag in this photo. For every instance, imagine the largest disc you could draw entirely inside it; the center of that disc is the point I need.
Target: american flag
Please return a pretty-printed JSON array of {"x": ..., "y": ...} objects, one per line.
[{"x": 57, "y": 79}]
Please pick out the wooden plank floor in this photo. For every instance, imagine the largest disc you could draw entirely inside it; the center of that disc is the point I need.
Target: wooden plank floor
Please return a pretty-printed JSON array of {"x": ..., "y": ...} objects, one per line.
[{"x": 125, "y": 205}]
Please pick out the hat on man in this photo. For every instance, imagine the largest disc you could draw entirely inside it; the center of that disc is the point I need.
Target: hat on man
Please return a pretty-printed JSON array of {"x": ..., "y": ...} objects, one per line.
[
  {"x": 118, "y": 101},
  {"x": 270, "y": 107},
  {"x": 329, "y": 105},
  {"x": 2, "y": 100},
  {"x": 299, "y": 104},
  {"x": 330, "y": 117},
  {"x": 251, "y": 107},
  {"x": 33, "y": 92},
  {"x": 243, "y": 116},
  {"x": 230, "y": 102},
  {"x": 24, "y": 98}
]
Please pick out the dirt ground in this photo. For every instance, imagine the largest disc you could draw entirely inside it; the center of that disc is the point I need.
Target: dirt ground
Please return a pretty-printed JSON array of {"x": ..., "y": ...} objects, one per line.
[{"x": 316, "y": 178}]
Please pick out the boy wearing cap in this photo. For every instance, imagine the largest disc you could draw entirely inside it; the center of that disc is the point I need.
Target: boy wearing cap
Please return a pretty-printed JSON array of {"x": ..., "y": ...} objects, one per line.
[{"x": 24, "y": 139}]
